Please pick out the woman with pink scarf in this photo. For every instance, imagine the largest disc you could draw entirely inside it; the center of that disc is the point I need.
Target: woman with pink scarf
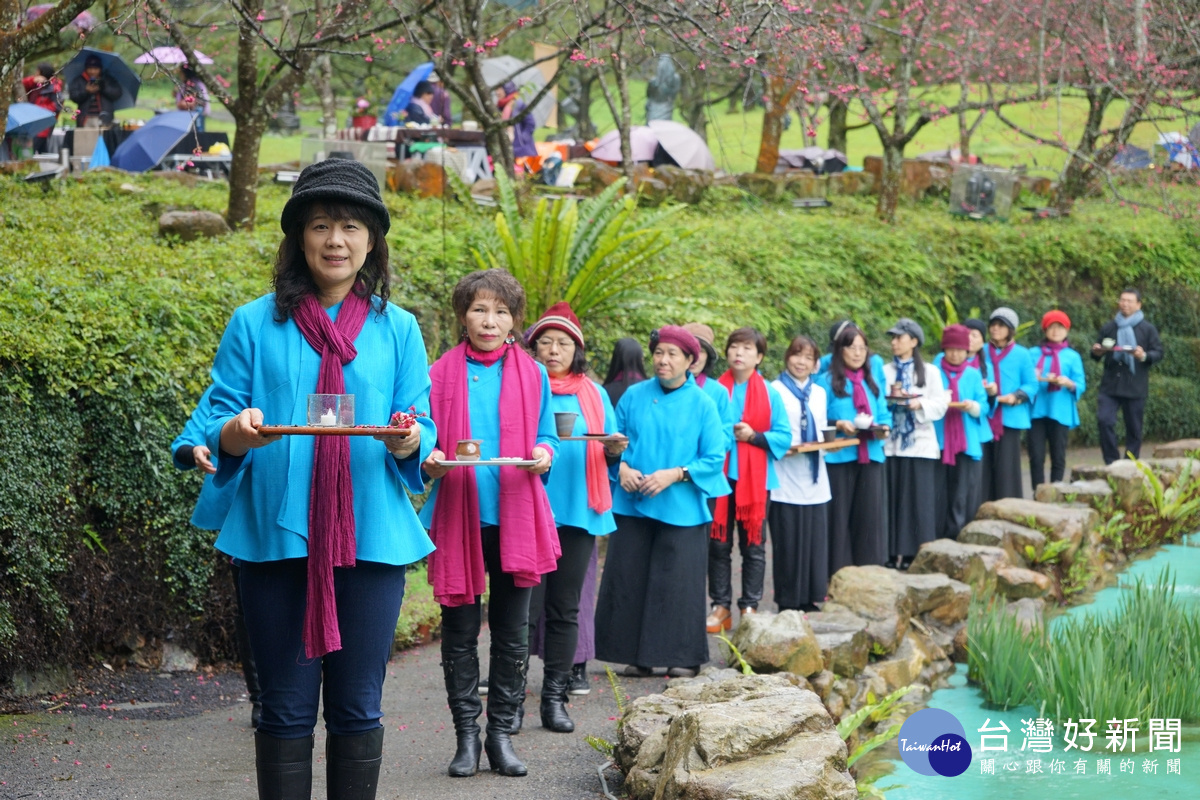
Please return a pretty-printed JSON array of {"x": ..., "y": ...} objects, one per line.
[{"x": 489, "y": 522}]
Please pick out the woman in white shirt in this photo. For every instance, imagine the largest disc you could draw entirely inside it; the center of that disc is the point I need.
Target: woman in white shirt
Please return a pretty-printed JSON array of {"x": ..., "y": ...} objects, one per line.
[
  {"x": 912, "y": 447},
  {"x": 799, "y": 507}
]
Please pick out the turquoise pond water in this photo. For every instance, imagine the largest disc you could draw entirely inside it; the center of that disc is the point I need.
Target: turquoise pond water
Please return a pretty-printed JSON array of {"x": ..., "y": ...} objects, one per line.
[{"x": 1054, "y": 782}]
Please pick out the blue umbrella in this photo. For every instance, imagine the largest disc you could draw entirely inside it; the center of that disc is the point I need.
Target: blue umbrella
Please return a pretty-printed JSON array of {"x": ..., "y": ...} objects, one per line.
[
  {"x": 146, "y": 146},
  {"x": 26, "y": 119},
  {"x": 404, "y": 92},
  {"x": 114, "y": 67}
]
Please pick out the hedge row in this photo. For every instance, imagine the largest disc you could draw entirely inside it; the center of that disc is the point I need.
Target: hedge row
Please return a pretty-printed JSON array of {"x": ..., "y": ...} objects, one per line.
[{"x": 107, "y": 333}]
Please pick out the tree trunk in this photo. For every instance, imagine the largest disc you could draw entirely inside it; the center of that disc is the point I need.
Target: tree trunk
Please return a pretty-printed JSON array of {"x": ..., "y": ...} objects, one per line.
[
  {"x": 889, "y": 188},
  {"x": 839, "y": 110},
  {"x": 1077, "y": 174},
  {"x": 626, "y": 123},
  {"x": 243, "y": 172},
  {"x": 329, "y": 125},
  {"x": 776, "y": 102}
]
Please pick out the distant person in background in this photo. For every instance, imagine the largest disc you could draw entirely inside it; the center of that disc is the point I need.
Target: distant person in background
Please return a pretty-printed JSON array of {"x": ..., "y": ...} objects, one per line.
[
  {"x": 441, "y": 100},
  {"x": 420, "y": 108},
  {"x": 508, "y": 98},
  {"x": 192, "y": 95},
  {"x": 1129, "y": 345},
  {"x": 44, "y": 90},
  {"x": 626, "y": 367},
  {"x": 95, "y": 93}
]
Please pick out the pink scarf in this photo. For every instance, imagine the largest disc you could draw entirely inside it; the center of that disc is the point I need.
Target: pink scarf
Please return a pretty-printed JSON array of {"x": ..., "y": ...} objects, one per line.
[
  {"x": 599, "y": 492},
  {"x": 529, "y": 545},
  {"x": 997, "y": 421},
  {"x": 954, "y": 434},
  {"x": 331, "y": 540},
  {"x": 1051, "y": 349},
  {"x": 862, "y": 405}
]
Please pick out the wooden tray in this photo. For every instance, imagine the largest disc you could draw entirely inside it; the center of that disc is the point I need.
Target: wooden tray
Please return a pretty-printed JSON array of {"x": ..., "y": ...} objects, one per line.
[
  {"x": 813, "y": 447},
  {"x": 899, "y": 398},
  {"x": 595, "y": 437},
  {"x": 959, "y": 405},
  {"x": 322, "y": 430},
  {"x": 486, "y": 462}
]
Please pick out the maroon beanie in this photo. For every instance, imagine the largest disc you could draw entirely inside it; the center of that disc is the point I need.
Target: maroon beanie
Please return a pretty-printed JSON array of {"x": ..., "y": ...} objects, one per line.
[
  {"x": 673, "y": 334},
  {"x": 956, "y": 337}
]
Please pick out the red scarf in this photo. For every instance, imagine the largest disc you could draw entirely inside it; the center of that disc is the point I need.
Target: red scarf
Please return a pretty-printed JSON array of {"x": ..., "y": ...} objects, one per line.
[
  {"x": 751, "y": 489},
  {"x": 529, "y": 545},
  {"x": 862, "y": 405},
  {"x": 954, "y": 434},
  {"x": 997, "y": 421},
  {"x": 599, "y": 492},
  {"x": 1051, "y": 349},
  {"x": 331, "y": 541}
]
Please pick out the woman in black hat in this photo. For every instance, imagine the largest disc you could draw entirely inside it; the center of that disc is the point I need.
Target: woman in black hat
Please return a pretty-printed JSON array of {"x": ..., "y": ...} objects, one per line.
[{"x": 321, "y": 526}]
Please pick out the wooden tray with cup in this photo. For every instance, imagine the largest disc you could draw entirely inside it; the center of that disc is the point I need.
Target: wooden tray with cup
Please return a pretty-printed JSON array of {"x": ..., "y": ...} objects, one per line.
[
  {"x": 488, "y": 462},
  {"x": 594, "y": 437},
  {"x": 901, "y": 398},
  {"x": 332, "y": 430},
  {"x": 958, "y": 405},
  {"x": 830, "y": 444}
]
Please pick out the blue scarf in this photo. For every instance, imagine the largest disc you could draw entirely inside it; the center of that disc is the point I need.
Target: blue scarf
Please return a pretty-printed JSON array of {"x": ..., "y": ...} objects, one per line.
[
  {"x": 808, "y": 430},
  {"x": 1125, "y": 337},
  {"x": 906, "y": 420}
]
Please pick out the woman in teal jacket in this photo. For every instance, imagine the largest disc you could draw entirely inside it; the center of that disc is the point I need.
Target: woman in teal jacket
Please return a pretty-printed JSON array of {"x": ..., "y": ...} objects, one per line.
[
  {"x": 1012, "y": 388},
  {"x": 321, "y": 526},
  {"x": 1055, "y": 411}
]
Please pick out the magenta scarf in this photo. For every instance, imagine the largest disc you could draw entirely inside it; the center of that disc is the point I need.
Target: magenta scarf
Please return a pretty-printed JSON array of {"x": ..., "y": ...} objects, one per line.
[
  {"x": 529, "y": 545},
  {"x": 954, "y": 433},
  {"x": 1051, "y": 349},
  {"x": 997, "y": 421},
  {"x": 701, "y": 379},
  {"x": 862, "y": 405},
  {"x": 331, "y": 540}
]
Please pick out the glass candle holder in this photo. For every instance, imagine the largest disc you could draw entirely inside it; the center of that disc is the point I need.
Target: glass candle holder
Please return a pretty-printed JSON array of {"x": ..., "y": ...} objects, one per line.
[{"x": 331, "y": 410}]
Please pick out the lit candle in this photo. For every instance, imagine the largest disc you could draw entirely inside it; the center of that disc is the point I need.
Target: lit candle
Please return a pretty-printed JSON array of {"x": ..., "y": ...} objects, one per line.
[{"x": 329, "y": 418}]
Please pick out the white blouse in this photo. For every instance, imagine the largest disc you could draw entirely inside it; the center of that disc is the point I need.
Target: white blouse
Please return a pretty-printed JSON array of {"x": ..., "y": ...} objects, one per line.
[
  {"x": 935, "y": 401},
  {"x": 794, "y": 472}
]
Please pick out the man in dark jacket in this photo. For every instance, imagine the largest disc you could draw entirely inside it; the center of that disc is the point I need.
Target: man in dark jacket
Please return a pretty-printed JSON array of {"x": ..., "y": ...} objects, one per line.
[
  {"x": 94, "y": 93},
  {"x": 1129, "y": 345}
]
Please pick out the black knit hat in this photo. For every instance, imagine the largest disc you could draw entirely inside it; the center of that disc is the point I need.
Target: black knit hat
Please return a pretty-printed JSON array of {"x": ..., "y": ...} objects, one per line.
[{"x": 336, "y": 179}]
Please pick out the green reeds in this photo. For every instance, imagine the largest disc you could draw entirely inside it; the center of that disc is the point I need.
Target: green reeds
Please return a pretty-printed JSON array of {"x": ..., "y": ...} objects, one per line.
[{"x": 1141, "y": 662}]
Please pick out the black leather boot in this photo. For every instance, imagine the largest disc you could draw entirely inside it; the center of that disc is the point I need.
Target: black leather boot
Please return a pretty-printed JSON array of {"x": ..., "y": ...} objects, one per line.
[
  {"x": 462, "y": 693},
  {"x": 507, "y": 687},
  {"x": 519, "y": 719},
  {"x": 554, "y": 701},
  {"x": 284, "y": 767},
  {"x": 352, "y": 765}
]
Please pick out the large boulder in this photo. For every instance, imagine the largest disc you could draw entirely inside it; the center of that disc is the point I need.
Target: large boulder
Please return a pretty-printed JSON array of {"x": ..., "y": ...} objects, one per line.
[
  {"x": 851, "y": 183},
  {"x": 973, "y": 564},
  {"x": 1029, "y": 612},
  {"x": 1017, "y": 582},
  {"x": 908, "y": 664},
  {"x": 888, "y": 599},
  {"x": 805, "y": 184},
  {"x": 726, "y": 736},
  {"x": 652, "y": 192},
  {"x": 1073, "y": 492},
  {"x": 1012, "y": 537},
  {"x": 595, "y": 175},
  {"x": 1060, "y": 523},
  {"x": 845, "y": 644},
  {"x": 191, "y": 225},
  {"x": 1180, "y": 448},
  {"x": 766, "y": 187},
  {"x": 782, "y": 642},
  {"x": 685, "y": 185}
]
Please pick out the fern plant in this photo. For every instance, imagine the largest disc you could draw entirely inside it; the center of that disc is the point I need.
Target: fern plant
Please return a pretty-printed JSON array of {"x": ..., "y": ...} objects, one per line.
[
  {"x": 948, "y": 314},
  {"x": 592, "y": 254}
]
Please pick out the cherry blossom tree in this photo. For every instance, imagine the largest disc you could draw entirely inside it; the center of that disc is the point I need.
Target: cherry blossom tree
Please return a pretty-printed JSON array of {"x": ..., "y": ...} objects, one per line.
[{"x": 19, "y": 40}]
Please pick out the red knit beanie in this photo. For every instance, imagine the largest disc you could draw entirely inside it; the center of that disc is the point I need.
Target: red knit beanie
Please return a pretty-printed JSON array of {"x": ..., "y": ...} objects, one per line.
[
  {"x": 560, "y": 317},
  {"x": 956, "y": 337}
]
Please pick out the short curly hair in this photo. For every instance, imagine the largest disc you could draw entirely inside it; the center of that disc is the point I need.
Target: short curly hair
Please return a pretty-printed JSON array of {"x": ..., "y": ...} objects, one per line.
[{"x": 498, "y": 283}]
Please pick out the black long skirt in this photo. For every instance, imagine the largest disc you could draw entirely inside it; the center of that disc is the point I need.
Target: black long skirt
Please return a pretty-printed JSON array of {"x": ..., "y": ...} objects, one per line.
[
  {"x": 1002, "y": 466},
  {"x": 960, "y": 495},
  {"x": 912, "y": 506},
  {"x": 800, "y": 553},
  {"x": 857, "y": 515},
  {"x": 652, "y": 602}
]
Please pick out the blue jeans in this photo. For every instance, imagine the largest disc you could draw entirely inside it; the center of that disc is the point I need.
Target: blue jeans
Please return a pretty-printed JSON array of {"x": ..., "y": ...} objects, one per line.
[{"x": 368, "y": 604}]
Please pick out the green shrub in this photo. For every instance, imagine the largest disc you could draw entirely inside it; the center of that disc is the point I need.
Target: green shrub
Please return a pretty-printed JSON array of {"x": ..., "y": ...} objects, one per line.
[{"x": 420, "y": 614}]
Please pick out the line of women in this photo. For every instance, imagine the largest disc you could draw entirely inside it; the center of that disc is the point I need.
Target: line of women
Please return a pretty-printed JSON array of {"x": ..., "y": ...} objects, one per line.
[{"x": 321, "y": 529}]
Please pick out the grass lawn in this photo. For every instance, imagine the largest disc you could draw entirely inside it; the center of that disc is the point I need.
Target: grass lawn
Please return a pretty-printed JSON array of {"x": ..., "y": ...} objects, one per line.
[{"x": 734, "y": 136}]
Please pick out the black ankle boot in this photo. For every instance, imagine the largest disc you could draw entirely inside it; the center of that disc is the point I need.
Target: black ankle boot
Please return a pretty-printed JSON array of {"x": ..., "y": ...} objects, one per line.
[
  {"x": 352, "y": 765},
  {"x": 284, "y": 767},
  {"x": 554, "y": 701},
  {"x": 462, "y": 693},
  {"x": 507, "y": 688}
]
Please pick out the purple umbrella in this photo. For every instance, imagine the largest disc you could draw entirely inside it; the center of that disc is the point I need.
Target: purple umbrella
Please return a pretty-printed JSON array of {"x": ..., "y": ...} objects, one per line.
[
  {"x": 642, "y": 142},
  {"x": 683, "y": 144},
  {"x": 169, "y": 55},
  {"x": 83, "y": 23}
]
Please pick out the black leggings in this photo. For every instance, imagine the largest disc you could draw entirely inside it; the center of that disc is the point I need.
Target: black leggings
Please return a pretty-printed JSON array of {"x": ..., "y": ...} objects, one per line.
[
  {"x": 1043, "y": 431},
  {"x": 508, "y": 612},
  {"x": 558, "y": 594}
]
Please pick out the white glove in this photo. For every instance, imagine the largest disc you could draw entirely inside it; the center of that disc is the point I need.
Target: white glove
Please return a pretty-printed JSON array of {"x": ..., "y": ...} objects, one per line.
[{"x": 973, "y": 408}]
